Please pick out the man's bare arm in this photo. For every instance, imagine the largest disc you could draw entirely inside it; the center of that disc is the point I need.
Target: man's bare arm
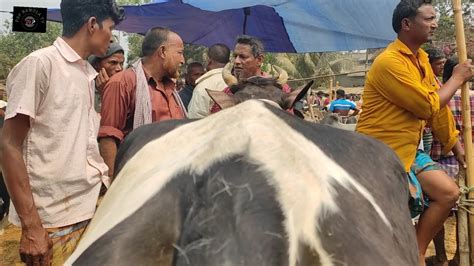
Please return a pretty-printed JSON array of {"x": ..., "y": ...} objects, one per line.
[
  {"x": 108, "y": 151},
  {"x": 356, "y": 112},
  {"x": 461, "y": 73},
  {"x": 35, "y": 244}
]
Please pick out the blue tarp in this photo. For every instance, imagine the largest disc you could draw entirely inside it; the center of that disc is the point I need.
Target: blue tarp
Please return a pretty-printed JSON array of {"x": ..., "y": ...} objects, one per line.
[{"x": 283, "y": 26}]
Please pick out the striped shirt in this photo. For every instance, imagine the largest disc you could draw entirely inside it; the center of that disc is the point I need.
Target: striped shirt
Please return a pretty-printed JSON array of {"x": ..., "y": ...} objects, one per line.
[{"x": 342, "y": 104}]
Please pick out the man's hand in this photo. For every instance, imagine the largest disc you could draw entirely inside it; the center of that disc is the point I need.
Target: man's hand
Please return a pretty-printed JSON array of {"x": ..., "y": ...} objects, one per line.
[
  {"x": 464, "y": 72},
  {"x": 459, "y": 153},
  {"x": 35, "y": 246},
  {"x": 101, "y": 79}
]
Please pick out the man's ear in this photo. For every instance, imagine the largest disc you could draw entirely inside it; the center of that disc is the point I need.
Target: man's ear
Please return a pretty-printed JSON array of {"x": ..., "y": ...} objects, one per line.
[
  {"x": 260, "y": 58},
  {"x": 406, "y": 22},
  {"x": 222, "y": 99},
  {"x": 92, "y": 24},
  {"x": 161, "y": 51}
]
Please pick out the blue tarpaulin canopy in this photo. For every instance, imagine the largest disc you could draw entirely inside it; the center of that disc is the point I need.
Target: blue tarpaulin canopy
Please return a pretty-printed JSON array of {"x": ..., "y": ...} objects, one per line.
[{"x": 283, "y": 26}]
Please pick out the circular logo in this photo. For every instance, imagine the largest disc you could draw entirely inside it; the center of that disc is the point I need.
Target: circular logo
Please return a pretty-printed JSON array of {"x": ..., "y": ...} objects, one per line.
[{"x": 29, "y": 22}]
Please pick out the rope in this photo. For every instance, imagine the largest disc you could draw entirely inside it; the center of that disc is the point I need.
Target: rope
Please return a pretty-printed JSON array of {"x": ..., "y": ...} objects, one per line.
[
  {"x": 466, "y": 190},
  {"x": 464, "y": 203}
]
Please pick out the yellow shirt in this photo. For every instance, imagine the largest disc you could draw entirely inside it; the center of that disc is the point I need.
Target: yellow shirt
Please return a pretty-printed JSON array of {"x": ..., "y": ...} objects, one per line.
[{"x": 399, "y": 98}]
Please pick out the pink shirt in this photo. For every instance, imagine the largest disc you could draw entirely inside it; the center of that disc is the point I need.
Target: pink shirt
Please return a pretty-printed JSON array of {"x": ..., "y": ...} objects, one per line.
[{"x": 53, "y": 86}]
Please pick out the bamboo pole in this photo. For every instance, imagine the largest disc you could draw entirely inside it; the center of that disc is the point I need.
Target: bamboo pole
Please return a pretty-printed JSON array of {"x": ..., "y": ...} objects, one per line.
[
  {"x": 462, "y": 225},
  {"x": 330, "y": 90},
  {"x": 466, "y": 118}
]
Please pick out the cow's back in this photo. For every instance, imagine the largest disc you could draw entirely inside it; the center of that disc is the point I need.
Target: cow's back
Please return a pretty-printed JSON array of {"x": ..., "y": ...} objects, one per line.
[{"x": 262, "y": 189}]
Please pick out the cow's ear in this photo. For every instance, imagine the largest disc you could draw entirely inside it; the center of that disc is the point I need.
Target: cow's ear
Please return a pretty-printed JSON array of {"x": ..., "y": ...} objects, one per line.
[
  {"x": 291, "y": 98},
  {"x": 222, "y": 99}
]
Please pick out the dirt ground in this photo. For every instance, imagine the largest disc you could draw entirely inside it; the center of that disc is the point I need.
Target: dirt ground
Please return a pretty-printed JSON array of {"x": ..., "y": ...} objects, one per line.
[{"x": 9, "y": 243}]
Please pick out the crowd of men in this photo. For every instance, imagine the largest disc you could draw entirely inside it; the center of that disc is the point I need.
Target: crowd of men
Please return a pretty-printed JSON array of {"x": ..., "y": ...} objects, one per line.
[{"x": 72, "y": 104}]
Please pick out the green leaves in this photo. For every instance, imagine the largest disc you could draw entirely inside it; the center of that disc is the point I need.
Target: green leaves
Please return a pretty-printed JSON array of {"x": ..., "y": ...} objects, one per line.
[{"x": 16, "y": 45}]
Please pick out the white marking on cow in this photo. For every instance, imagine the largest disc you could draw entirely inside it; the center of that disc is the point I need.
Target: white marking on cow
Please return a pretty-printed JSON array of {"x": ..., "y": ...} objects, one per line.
[{"x": 302, "y": 175}]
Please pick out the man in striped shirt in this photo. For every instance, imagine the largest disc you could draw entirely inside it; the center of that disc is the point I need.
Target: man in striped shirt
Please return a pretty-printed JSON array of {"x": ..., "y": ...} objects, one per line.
[{"x": 342, "y": 106}]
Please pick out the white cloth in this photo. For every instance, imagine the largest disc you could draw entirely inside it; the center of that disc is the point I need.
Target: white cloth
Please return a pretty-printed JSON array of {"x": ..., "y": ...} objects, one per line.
[
  {"x": 54, "y": 87},
  {"x": 142, "y": 115},
  {"x": 421, "y": 145},
  {"x": 201, "y": 102}
]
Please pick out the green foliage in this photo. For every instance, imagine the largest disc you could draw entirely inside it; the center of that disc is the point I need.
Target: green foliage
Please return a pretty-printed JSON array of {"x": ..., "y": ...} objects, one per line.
[
  {"x": 134, "y": 46},
  {"x": 16, "y": 45},
  {"x": 134, "y": 40},
  {"x": 445, "y": 33}
]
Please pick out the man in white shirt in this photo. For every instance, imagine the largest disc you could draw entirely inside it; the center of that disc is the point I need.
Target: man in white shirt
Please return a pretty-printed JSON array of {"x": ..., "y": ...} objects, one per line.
[
  {"x": 200, "y": 104},
  {"x": 49, "y": 152}
]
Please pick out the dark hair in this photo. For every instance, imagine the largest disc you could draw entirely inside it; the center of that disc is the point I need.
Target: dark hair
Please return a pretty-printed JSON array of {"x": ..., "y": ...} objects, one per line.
[
  {"x": 449, "y": 67},
  {"x": 406, "y": 9},
  {"x": 192, "y": 65},
  {"x": 434, "y": 54},
  {"x": 340, "y": 92},
  {"x": 154, "y": 38},
  {"x": 76, "y": 13},
  {"x": 255, "y": 44},
  {"x": 219, "y": 52}
]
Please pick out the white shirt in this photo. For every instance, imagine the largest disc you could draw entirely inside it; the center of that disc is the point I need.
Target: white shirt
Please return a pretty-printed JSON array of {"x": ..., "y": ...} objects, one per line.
[
  {"x": 200, "y": 103},
  {"x": 54, "y": 87}
]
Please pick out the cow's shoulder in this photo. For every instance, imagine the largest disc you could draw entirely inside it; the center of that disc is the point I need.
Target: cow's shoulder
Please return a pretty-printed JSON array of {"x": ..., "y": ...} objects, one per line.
[{"x": 141, "y": 136}]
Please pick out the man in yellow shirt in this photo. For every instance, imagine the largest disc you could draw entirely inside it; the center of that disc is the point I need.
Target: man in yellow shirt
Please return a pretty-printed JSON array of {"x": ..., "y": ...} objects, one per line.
[{"x": 401, "y": 95}]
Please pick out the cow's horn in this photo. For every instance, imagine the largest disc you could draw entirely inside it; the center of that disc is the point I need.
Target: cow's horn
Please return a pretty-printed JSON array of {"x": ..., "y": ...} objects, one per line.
[
  {"x": 229, "y": 79},
  {"x": 282, "y": 77}
]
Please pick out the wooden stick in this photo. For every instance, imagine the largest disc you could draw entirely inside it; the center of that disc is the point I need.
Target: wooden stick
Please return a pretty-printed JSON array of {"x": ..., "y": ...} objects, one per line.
[
  {"x": 462, "y": 225},
  {"x": 466, "y": 118},
  {"x": 330, "y": 90}
]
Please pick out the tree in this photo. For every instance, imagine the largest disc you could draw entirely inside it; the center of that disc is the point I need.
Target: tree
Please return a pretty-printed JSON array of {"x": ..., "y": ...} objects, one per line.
[
  {"x": 16, "y": 45},
  {"x": 445, "y": 34},
  {"x": 134, "y": 40}
]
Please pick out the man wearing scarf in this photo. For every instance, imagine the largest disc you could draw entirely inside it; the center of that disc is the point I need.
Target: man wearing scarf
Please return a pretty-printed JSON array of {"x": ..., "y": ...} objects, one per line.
[{"x": 142, "y": 94}]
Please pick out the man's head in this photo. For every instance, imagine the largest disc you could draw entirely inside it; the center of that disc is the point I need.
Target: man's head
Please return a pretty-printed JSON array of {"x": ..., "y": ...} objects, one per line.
[
  {"x": 112, "y": 61},
  {"x": 340, "y": 94},
  {"x": 248, "y": 57},
  {"x": 218, "y": 55},
  {"x": 268, "y": 89},
  {"x": 415, "y": 19},
  {"x": 193, "y": 72},
  {"x": 437, "y": 60},
  {"x": 95, "y": 18},
  {"x": 165, "y": 48}
]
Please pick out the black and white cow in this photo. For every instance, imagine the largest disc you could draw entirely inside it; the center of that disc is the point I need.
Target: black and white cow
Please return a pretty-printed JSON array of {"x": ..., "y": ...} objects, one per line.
[{"x": 252, "y": 185}]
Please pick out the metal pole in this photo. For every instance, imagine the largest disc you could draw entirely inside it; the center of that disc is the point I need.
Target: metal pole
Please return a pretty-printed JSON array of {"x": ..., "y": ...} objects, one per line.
[{"x": 246, "y": 14}]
